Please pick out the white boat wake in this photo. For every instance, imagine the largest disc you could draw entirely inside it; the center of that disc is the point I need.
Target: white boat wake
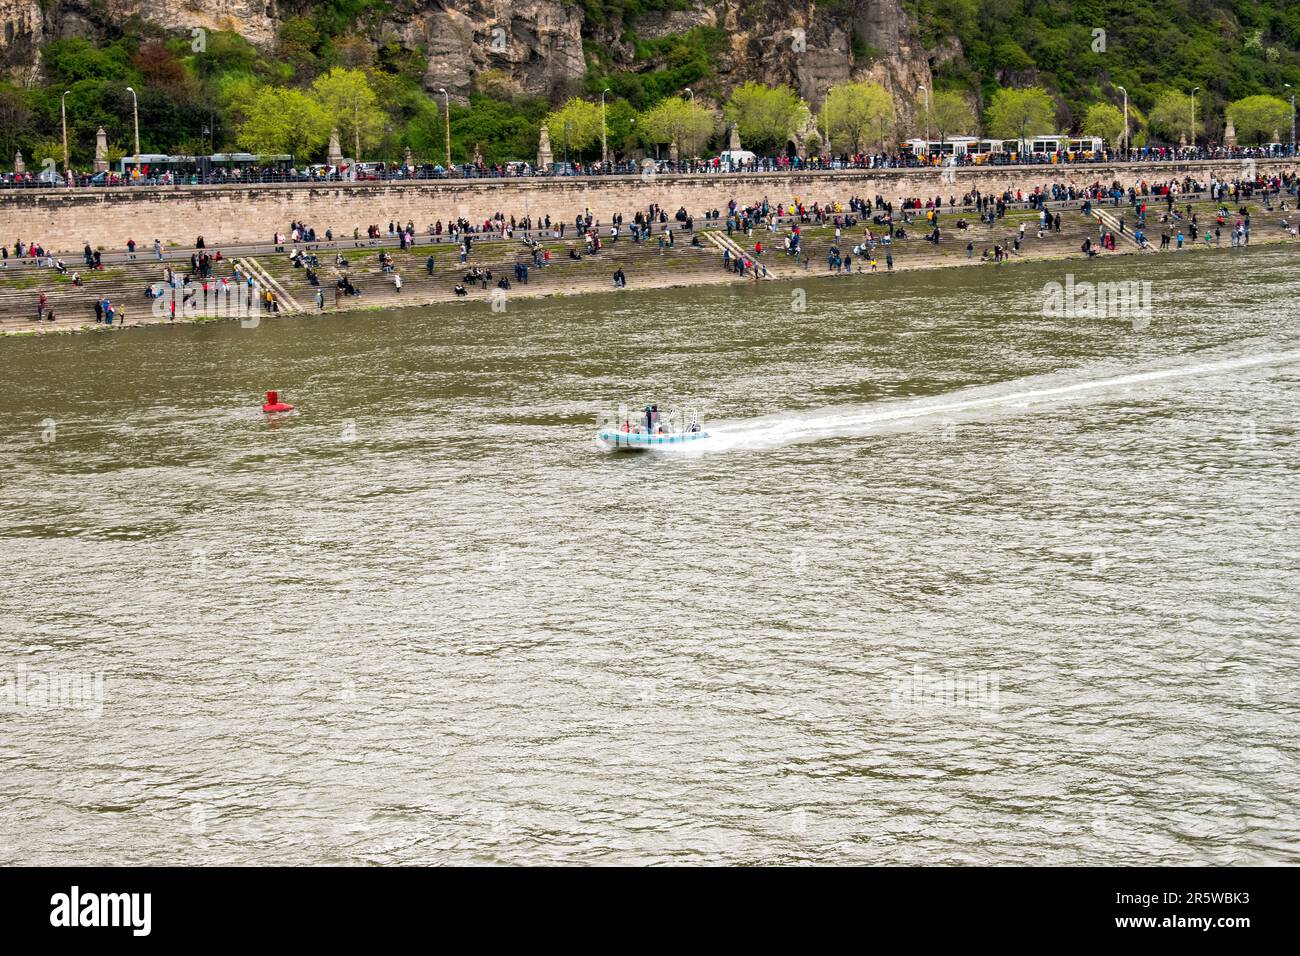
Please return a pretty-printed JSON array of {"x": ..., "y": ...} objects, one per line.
[{"x": 853, "y": 421}]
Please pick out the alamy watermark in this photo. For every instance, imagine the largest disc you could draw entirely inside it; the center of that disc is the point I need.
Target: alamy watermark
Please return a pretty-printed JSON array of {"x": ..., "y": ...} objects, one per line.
[
  {"x": 243, "y": 301},
  {"x": 919, "y": 690},
  {"x": 1099, "y": 300},
  {"x": 32, "y": 691}
]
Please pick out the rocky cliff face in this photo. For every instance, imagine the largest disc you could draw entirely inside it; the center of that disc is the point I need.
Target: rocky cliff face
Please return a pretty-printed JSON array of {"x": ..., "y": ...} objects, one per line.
[{"x": 538, "y": 44}]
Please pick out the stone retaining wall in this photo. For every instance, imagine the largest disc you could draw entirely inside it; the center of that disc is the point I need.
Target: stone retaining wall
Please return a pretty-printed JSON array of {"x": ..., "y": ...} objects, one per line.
[{"x": 66, "y": 219}]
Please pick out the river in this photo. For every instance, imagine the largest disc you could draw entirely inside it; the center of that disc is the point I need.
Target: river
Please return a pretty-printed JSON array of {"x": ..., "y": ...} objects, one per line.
[{"x": 952, "y": 582}]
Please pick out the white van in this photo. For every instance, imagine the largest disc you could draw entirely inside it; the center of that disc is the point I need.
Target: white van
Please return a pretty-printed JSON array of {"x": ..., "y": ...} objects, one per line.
[{"x": 736, "y": 157}]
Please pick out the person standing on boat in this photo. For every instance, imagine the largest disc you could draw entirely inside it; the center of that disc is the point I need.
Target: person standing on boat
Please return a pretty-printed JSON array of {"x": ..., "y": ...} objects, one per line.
[{"x": 649, "y": 420}]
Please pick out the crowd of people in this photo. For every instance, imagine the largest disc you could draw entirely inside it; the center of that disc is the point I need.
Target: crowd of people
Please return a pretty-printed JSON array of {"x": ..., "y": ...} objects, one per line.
[
  {"x": 866, "y": 231},
  {"x": 721, "y": 164}
]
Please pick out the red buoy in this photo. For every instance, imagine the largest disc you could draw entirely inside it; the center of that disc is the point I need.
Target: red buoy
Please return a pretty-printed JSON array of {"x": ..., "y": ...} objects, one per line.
[{"x": 273, "y": 404}]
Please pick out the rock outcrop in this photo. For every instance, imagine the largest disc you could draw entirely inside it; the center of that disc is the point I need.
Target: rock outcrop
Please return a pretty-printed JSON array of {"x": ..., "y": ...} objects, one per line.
[{"x": 536, "y": 44}]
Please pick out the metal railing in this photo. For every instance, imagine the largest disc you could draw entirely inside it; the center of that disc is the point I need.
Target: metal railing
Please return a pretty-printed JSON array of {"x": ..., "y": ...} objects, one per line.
[{"x": 632, "y": 169}]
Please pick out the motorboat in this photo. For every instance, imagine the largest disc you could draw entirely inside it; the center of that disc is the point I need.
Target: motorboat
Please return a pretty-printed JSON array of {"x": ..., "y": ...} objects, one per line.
[{"x": 649, "y": 430}]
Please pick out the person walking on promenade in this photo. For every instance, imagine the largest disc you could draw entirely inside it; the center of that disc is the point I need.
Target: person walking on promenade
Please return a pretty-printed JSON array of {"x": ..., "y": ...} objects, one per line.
[
  {"x": 320, "y": 299},
  {"x": 157, "y": 249}
]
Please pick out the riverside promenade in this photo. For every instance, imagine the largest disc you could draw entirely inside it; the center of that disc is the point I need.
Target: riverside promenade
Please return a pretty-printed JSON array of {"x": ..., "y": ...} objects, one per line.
[
  {"x": 65, "y": 220},
  {"x": 570, "y": 270}
]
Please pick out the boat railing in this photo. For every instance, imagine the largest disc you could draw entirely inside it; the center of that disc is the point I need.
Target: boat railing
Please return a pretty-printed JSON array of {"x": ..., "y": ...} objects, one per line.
[{"x": 670, "y": 421}]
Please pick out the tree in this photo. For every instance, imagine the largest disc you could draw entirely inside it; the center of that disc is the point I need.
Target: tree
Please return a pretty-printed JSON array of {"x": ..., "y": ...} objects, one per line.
[
  {"x": 858, "y": 113},
  {"x": 949, "y": 114},
  {"x": 1021, "y": 114},
  {"x": 282, "y": 120},
  {"x": 575, "y": 125},
  {"x": 47, "y": 149},
  {"x": 349, "y": 102},
  {"x": 162, "y": 68},
  {"x": 1104, "y": 120},
  {"x": 297, "y": 41},
  {"x": 73, "y": 58},
  {"x": 1257, "y": 117},
  {"x": 768, "y": 116},
  {"x": 1171, "y": 116},
  {"x": 677, "y": 120},
  {"x": 621, "y": 119},
  {"x": 14, "y": 119}
]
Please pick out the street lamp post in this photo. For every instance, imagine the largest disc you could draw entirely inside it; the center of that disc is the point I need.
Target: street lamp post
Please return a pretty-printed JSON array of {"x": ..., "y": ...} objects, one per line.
[
  {"x": 63, "y": 106},
  {"x": 1289, "y": 87},
  {"x": 567, "y": 124},
  {"x": 446, "y": 100},
  {"x": 356, "y": 124},
  {"x": 135, "y": 111},
  {"x": 604, "y": 131},
  {"x": 692, "y": 119},
  {"x": 926, "y": 90},
  {"x": 1125, "y": 137},
  {"x": 1195, "y": 90}
]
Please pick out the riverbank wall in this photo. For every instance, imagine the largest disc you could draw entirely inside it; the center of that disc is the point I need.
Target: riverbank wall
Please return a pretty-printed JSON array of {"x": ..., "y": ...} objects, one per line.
[
  {"x": 65, "y": 220},
  {"x": 431, "y": 272}
]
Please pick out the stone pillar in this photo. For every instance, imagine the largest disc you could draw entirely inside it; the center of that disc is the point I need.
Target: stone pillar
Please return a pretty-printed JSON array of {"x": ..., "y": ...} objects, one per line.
[
  {"x": 408, "y": 159},
  {"x": 734, "y": 144},
  {"x": 101, "y": 150},
  {"x": 544, "y": 155},
  {"x": 335, "y": 153},
  {"x": 1230, "y": 133},
  {"x": 19, "y": 166}
]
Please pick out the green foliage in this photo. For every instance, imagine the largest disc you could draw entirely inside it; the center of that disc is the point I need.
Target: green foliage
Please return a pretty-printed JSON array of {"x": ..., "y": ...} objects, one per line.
[
  {"x": 950, "y": 114},
  {"x": 348, "y": 102},
  {"x": 767, "y": 115},
  {"x": 1231, "y": 48},
  {"x": 575, "y": 126},
  {"x": 1021, "y": 114},
  {"x": 1172, "y": 115},
  {"x": 501, "y": 130},
  {"x": 677, "y": 120},
  {"x": 1236, "y": 50},
  {"x": 665, "y": 66},
  {"x": 1256, "y": 118},
  {"x": 858, "y": 115},
  {"x": 284, "y": 121},
  {"x": 72, "y": 59},
  {"x": 335, "y": 17},
  {"x": 1106, "y": 121}
]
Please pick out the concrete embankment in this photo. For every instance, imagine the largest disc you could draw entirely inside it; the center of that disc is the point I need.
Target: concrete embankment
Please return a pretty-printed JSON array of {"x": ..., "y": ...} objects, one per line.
[
  {"x": 569, "y": 270},
  {"x": 65, "y": 220}
]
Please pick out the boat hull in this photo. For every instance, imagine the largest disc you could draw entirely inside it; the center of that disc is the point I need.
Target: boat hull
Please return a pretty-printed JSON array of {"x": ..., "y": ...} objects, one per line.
[{"x": 632, "y": 441}]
